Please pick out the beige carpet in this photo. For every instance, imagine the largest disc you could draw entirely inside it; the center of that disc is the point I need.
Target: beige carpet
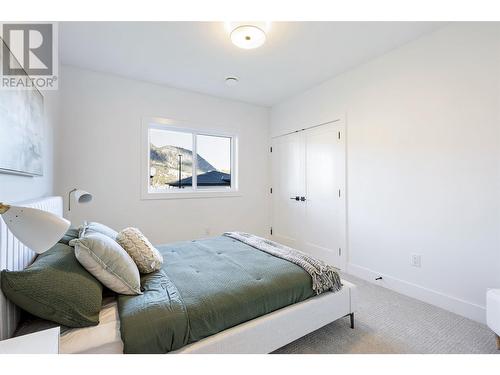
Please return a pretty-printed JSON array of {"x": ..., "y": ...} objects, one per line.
[{"x": 388, "y": 322}]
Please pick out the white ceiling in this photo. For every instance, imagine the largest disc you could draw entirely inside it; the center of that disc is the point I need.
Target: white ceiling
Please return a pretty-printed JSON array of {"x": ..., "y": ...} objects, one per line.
[{"x": 198, "y": 56}]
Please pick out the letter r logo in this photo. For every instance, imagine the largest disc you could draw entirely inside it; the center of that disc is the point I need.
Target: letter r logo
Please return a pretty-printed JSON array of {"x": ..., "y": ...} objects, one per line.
[{"x": 32, "y": 46}]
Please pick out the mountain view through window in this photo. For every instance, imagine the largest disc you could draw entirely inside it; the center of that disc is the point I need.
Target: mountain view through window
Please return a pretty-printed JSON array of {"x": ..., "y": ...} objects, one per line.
[{"x": 171, "y": 155}]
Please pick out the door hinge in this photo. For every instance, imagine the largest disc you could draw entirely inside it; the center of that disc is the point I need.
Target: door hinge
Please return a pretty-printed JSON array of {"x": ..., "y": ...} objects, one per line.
[
  {"x": 271, "y": 149},
  {"x": 271, "y": 231},
  {"x": 271, "y": 190}
]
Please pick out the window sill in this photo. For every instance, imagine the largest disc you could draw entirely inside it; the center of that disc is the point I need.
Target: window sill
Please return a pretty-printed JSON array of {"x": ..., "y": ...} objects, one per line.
[{"x": 191, "y": 195}]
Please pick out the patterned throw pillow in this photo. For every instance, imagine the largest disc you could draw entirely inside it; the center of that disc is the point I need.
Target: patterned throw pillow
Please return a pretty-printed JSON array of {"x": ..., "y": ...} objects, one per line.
[
  {"x": 147, "y": 258},
  {"x": 70, "y": 234},
  {"x": 56, "y": 287}
]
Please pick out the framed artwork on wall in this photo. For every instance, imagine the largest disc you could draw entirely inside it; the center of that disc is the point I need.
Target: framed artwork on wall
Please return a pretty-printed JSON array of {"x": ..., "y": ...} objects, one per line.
[{"x": 21, "y": 126}]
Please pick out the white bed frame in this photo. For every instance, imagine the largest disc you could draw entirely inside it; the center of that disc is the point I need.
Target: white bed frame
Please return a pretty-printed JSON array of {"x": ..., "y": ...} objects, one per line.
[
  {"x": 274, "y": 330},
  {"x": 261, "y": 335}
]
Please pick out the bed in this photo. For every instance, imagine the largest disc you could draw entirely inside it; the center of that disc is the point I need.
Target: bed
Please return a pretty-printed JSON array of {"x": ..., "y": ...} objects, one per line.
[{"x": 222, "y": 307}]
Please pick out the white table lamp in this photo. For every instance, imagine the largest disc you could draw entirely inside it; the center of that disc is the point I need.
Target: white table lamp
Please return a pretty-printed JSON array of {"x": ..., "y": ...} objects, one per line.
[{"x": 39, "y": 230}]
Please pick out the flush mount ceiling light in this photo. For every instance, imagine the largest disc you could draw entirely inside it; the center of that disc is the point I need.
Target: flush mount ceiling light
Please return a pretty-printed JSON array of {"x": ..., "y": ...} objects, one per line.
[
  {"x": 248, "y": 35},
  {"x": 231, "y": 81}
]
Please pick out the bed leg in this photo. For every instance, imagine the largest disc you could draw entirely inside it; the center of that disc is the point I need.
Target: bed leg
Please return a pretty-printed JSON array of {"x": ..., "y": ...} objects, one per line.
[
  {"x": 498, "y": 342},
  {"x": 351, "y": 318}
]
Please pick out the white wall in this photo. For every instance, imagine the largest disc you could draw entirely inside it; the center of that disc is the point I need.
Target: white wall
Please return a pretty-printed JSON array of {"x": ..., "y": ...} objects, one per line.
[
  {"x": 423, "y": 163},
  {"x": 15, "y": 188},
  {"x": 98, "y": 149}
]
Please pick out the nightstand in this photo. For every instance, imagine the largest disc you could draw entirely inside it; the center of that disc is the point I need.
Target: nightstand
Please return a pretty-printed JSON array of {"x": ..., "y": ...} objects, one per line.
[{"x": 43, "y": 342}]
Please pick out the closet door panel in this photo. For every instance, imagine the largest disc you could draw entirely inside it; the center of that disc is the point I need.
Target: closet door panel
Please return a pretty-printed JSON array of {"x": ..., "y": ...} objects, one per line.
[
  {"x": 288, "y": 181},
  {"x": 324, "y": 220}
]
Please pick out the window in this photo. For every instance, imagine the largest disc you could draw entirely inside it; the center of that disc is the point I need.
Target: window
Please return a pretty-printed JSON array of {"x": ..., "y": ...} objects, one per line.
[
  {"x": 170, "y": 159},
  {"x": 187, "y": 162},
  {"x": 213, "y": 161}
]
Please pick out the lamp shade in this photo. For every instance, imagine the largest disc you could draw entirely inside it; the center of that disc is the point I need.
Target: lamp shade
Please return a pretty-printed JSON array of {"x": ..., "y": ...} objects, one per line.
[
  {"x": 39, "y": 230},
  {"x": 82, "y": 196}
]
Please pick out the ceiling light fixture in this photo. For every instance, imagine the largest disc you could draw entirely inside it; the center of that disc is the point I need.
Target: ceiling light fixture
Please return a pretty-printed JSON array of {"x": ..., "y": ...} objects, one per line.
[{"x": 248, "y": 35}]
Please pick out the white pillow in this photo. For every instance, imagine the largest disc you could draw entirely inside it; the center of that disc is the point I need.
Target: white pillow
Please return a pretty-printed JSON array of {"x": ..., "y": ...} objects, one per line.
[
  {"x": 145, "y": 255},
  {"x": 108, "y": 263},
  {"x": 94, "y": 227}
]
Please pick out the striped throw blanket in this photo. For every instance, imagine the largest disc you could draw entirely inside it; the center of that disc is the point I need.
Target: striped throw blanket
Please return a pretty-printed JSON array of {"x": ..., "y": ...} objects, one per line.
[{"x": 324, "y": 277}]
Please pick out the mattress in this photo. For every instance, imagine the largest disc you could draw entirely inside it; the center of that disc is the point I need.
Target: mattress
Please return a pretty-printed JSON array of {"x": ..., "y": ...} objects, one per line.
[
  {"x": 261, "y": 335},
  {"x": 101, "y": 339}
]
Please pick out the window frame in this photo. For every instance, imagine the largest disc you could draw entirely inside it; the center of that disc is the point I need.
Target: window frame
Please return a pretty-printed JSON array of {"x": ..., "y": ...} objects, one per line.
[{"x": 193, "y": 192}]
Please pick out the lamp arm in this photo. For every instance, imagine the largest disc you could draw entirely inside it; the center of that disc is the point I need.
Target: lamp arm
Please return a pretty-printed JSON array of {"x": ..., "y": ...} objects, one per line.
[
  {"x": 69, "y": 198},
  {"x": 4, "y": 208}
]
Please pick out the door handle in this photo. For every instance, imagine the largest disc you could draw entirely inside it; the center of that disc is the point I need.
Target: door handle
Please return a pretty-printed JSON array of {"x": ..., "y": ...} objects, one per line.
[{"x": 297, "y": 198}]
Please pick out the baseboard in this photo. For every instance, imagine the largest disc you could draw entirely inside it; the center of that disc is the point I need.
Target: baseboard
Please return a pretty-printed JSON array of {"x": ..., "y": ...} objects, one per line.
[{"x": 444, "y": 301}]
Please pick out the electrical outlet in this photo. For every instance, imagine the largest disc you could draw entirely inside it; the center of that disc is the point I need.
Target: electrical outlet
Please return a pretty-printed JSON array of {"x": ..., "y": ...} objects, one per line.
[{"x": 416, "y": 260}]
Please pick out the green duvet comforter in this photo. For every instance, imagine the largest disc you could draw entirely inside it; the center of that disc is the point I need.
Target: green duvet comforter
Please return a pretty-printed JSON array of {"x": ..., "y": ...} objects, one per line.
[{"x": 204, "y": 287}]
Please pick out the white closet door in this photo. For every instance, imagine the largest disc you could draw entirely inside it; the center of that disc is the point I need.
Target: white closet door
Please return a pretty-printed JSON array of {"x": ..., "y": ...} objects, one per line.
[
  {"x": 324, "y": 221},
  {"x": 288, "y": 176}
]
